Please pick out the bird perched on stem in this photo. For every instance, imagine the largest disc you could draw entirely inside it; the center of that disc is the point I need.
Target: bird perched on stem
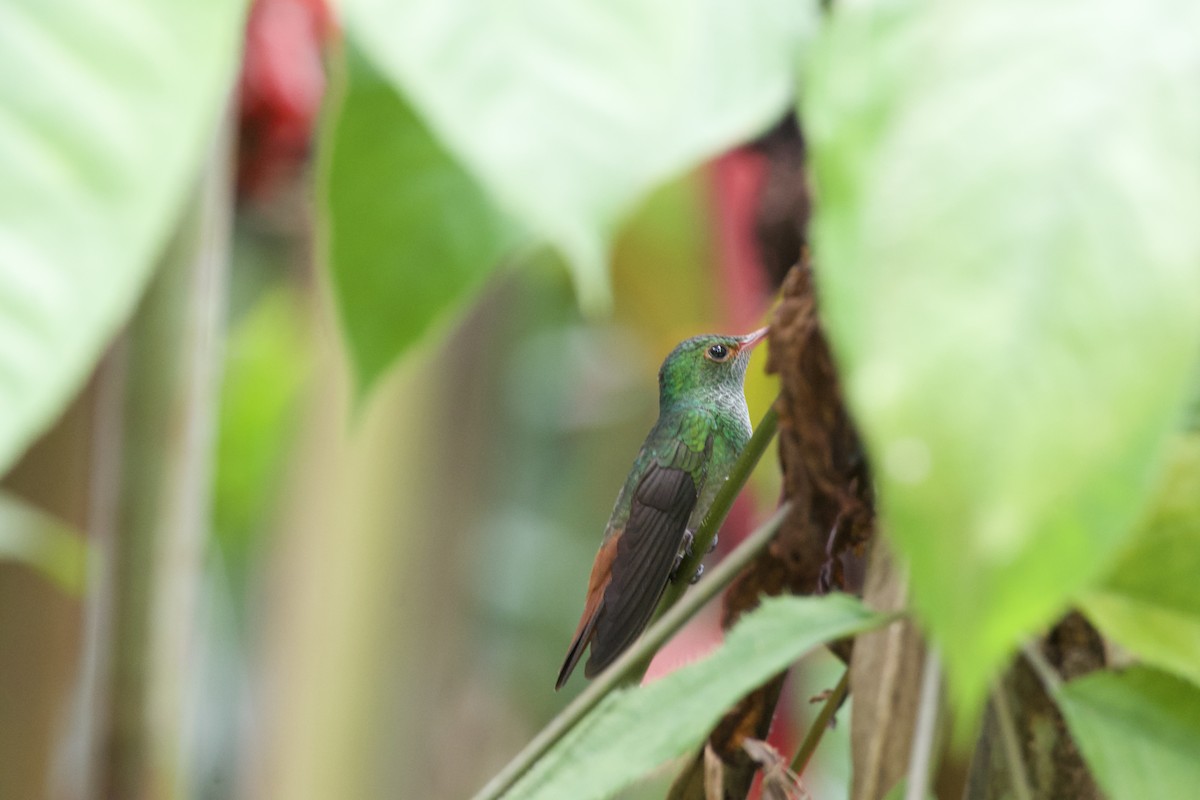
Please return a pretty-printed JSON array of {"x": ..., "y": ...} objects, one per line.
[{"x": 703, "y": 425}]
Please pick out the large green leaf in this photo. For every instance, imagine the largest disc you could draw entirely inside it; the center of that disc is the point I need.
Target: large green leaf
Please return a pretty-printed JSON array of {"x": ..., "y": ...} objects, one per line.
[
  {"x": 1138, "y": 730},
  {"x": 634, "y": 730},
  {"x": 1008, "y": 262},
  {"x": 409, "y": 232},
  {"x": 568, "y": 112},
  {"x": 1150, "y": 602},
  {"x": 107, "y": 110}
]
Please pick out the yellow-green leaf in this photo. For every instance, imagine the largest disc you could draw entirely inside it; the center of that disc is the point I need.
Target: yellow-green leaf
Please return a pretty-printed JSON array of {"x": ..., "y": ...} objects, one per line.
[
  {"x": 1007, "y": 251},
  {"x": 634, "y": 730}
]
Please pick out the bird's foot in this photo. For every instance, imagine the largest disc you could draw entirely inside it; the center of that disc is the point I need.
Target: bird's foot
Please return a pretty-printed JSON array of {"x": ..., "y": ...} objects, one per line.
[
  {"x": 696, "y": 577},
  {"x": 713, "y": 544},
  {"x": 684, "y": 551}
]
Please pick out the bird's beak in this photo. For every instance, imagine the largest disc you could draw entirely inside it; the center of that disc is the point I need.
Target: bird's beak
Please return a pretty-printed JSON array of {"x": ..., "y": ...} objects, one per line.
[{"x": 751, "y": 339}]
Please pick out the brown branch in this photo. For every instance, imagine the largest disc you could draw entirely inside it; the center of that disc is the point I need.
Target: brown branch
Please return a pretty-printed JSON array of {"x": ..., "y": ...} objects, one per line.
[
  {"x": 1045, "y": 749},
  {"x": 821, "y": 544}
]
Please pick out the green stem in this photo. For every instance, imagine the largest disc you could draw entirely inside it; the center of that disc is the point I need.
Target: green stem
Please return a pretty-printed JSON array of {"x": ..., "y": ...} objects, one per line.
[
  {"x": 171, "y": 365},
  {"x": 820, "y": 724},
  {"x": 920, "y": 761},
  {"x": 670, "y": 622},
  {"x": 1042, "y": 668},
  {"x": 1012, "y": 747},
  {"x": 702, "y": 537}
]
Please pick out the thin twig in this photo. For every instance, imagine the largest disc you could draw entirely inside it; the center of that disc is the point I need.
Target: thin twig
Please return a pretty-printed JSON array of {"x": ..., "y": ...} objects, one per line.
[
  {"x": 1049, "y": 677},
  {"x": 921, "y": 756},
  {"x": 83, "y": 747},
  {"x": 646, "y": 644},
  {"x": 820, "y": 724},
  {"x": 1012, "y": 747},
  {"x": 703, "y": 536}
]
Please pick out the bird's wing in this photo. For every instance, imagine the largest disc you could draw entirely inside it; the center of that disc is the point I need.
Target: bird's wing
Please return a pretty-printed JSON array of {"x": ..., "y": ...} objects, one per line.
[
  {"x": 597, "y": 583},
  {"x": 645, "y": 552}
]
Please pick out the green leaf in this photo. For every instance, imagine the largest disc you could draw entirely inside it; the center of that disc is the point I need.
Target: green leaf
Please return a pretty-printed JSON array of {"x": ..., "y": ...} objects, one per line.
[
  {"x": 1007, "y": 252},
  {"x": 570, "y": 112},
  {"x": 45, "y": 543},
  {"x": 634, "y": 730},
  {"x": 1150, "y": 602},
  {"x": 410, "y": 234},
  {"x": 1139, "y": 731},
  {"x": 1157, "y": 634},
  {"x": 107, "y": 110}
]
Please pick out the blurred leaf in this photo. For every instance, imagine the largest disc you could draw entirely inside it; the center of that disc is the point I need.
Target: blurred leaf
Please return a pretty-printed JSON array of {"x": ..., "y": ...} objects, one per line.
[
  {"x": 1139, "y": 731},
  {"x": 107, "y": 109},
  {"x": 266, "y": 367},
  {"x": 1150, "y": 602},
  {"x": 1007, "y": 250},
  {"x": 570, "y": 112},
  {"x": 409, "y": 232},
  {"x": 634, "y": 730},
  {"x": 1159, "y": 635},
  {"x": 45, "y": 543}
]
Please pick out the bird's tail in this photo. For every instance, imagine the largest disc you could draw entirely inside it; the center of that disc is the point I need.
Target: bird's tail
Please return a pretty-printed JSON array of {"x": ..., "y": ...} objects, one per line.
[{"x": 580, "y": 643}]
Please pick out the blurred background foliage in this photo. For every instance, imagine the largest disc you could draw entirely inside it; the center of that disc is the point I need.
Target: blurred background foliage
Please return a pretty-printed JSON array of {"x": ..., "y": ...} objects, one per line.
[
  {"x": 326, "y": 342},
  {"x": 390, "y": 560}
]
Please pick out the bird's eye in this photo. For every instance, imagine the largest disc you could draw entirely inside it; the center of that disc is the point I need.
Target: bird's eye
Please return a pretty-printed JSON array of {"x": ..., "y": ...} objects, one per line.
[{"x": 717, "y": 352}]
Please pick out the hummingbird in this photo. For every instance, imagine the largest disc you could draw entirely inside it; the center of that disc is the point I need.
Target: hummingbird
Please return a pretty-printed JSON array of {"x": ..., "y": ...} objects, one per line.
[{"x": 703, "y": 425}]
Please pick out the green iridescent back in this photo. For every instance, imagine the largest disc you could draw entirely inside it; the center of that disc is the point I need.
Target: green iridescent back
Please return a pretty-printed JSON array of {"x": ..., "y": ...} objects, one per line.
[{"x": 702, "y": 427}]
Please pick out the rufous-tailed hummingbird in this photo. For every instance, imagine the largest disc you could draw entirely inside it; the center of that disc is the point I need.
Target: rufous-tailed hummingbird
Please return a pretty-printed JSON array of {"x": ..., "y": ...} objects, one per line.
[{"x": 702, "y": 426}]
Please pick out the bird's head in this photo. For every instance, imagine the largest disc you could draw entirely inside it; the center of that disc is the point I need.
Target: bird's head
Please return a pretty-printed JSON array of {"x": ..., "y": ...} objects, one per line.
[{"x": 706, "y": 366}]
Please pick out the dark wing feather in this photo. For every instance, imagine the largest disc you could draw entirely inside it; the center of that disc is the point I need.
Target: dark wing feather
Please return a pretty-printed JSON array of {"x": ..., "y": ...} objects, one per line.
[{"x": 646, "y": 550}]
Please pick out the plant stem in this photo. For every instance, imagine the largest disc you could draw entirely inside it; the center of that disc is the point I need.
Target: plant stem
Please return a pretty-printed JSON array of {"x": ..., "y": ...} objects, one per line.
[
  {"x": 171, "y": 365},
  {"x": 649, "y": 641},
  {"x": 1012, "y": 748},
  {"x": 702, "y": 538},
  {"x": 1046, "y": 673},
  {"x": 820, "y": 724},
  {"x": 921, "y": 756}
]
